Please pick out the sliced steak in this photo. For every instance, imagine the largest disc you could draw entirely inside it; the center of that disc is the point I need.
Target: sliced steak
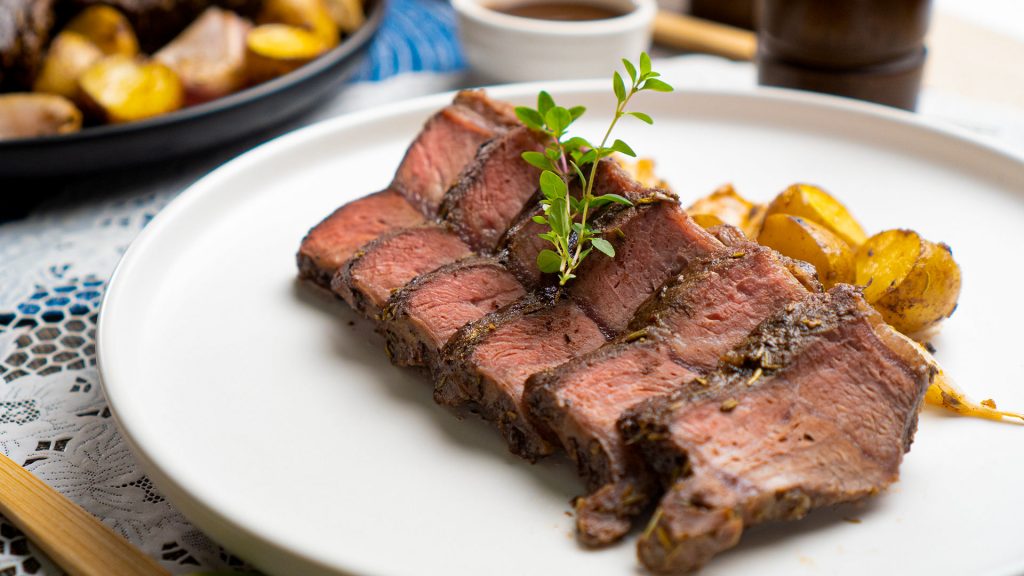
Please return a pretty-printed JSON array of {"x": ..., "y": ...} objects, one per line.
[
  {"x": 817, "y": 407},
  {"x": 334, "y": 240},
  {"x": 680, "y": 333},
  {"x": 485, "y": 365},
  {"x": 447, "y": 144},
  {"x": 521, "y": 244},
  {"x": 421, "y": 317},
  {"x": 386, "y": 264},
  {"x": 493, "y": 189},
  {"x": 653, "y": 241}
]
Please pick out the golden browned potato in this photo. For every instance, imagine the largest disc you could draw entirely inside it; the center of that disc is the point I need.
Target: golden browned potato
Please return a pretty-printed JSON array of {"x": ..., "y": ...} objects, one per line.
[
  {"x": 914, "y": 283},
  {"x": 107, "y": 28},
  {"x": 124, "y": 89},
  {"x": 707, "y": 220},
  {"x": 728, "y": 207},
  {"x": 311, "y": 15},
  {"x": 816, "y": 205},
  {"x": 348, "y": 15},
  {"x": 802, "y": 239},
  {"x": 209, "y": 55},
  {"x": 25, "y": 115},
  {"x": 70, "y": 55},
  {"x": 276, "y": 49},
  {"x": 641, "y": 170}
]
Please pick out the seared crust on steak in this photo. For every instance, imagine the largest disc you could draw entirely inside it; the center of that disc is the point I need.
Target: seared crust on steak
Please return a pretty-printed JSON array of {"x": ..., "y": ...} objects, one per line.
[
  {"x": 678, "y": 334},
  {"x": 817, "y": 407},
  {"x": 493, "y": 189},
  {"x": 485, "y": 365},
  {"x": 447, "y": 144},
  {"x": 336, "y": 238},
  {"x": 421, "y": 316},
  {"x": 386, "y": 264}
]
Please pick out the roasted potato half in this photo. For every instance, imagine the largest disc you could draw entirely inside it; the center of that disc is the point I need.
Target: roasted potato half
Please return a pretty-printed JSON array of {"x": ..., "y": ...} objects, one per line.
[
  {"x": 124, "y": 89},
  {"x": 209, "y": 55},
  {"x": 24, "y": 115},
  {"x": 311, "y": 15},
  {"x": 107, "y": 28},
  {"x": 814, "y": 204},
  {"x": 69, "y": 56},
  {"x": 912, "y": 282},
  {"x": 348, "y": 15},
  {"x": 276, "y": 49},
  {"x": 726, "y": 206},
  {"x": 805, "y": 240}
]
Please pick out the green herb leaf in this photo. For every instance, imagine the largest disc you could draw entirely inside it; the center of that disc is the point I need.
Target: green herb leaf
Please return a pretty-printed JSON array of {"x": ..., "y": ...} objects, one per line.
[
  {"x": 604, "y": 246},
  {"x": 558, "y": 119},
  {"x": 530, "y": 117},
  {"x": 630, "y": 69},
  {"x": 575, "y": 143},
  {"x": 566, "y": 216},
  {"x": 645, "y": 64},
  {"x": 552, "y": 185},
  {"x": 622, "y": 147},
  {"x": 548, "y": 261},
  {"x": 588, "y": 158},
  {"x": 544, "y": 102},
  {"x": 610, "y": 198},
  {"x": 656, "y": 85},
  {"x": 642, "y": 117},
  {"x": 618, "y": 86},
  {"x": 537, "y": 160}
]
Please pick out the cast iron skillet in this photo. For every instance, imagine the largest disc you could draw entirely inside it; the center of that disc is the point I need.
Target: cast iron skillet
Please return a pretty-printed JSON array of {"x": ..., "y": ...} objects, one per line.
[{"x": 194, "y": 128}]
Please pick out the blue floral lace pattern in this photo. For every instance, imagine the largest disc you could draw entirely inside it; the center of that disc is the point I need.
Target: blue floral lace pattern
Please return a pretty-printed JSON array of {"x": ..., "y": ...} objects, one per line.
[{"x": 54, "y": 420}]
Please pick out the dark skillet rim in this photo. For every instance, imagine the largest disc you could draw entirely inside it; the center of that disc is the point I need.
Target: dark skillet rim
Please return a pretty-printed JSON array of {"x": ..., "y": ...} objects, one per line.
[{"x": 321, "y": 65}]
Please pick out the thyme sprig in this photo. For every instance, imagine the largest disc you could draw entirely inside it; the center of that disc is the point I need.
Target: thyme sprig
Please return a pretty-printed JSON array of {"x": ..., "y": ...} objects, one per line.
[{"x": 568, "y": 157}]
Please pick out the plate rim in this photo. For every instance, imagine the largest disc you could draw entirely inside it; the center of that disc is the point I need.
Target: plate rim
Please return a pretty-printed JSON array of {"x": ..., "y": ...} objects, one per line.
[{"x": 276, "y": 556}]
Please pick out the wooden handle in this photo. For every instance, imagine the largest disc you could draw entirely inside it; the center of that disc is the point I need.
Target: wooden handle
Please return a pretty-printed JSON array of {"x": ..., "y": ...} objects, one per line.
[
  {"x": 70, "y": 536},
  {"x": 699, "y": 35}
]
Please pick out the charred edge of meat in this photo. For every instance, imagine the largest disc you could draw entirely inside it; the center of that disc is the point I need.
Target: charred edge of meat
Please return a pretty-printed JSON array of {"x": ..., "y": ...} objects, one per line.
[
  {"x": 496, "y": 112},
  {"x": 458, "y": 386},
  {"x": 804, "y": 272},
  {"x": 672, "y": 295},
  {"x": 453, "y": 209},
  {"x": 341, "y": 283},
  {"x": 399, "y": 335},
  {"x": 308, "y": 270},
  {"x": 605, "y": 515}
]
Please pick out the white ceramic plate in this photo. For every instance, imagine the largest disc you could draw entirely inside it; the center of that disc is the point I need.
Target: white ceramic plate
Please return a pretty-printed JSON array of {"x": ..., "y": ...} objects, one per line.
[{"x": 281, "y": 429}]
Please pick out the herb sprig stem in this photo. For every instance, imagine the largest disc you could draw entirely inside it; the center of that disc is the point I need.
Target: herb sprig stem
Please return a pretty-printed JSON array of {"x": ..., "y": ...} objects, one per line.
[{"x": 563, "y": 160}]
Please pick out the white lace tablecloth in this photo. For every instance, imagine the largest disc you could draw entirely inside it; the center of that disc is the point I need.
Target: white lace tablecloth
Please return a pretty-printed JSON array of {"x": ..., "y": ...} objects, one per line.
[{"x": 54, "y": 266}]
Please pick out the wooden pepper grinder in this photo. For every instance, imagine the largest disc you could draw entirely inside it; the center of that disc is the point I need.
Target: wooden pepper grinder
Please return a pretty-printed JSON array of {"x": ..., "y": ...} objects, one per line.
[{"x": 867, "y": 49}]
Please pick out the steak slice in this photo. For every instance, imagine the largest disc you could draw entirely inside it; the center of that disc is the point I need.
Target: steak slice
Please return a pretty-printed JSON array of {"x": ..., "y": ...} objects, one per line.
[
  {"x": 687, "y": 325},
  {"x": 653, "y": 241},
  {"x": 485, "y": 365},
  {"x": 334, "y": 240},
  {"x": 520, "y": 246},
  {"x": 493, "y": 189},
  {"x": 421, "y": 317},
  {"x": 386, "y": 264},
  {"x": 447, "y": 144},
  {"x": 817, "y": 407}
]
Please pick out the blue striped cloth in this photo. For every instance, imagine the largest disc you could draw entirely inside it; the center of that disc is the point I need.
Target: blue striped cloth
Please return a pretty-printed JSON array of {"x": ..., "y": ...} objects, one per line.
[{"x": 416, "y": 36}]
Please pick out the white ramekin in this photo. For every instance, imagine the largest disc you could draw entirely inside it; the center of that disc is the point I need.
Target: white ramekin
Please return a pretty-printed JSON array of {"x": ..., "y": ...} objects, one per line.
[{"x": 507, "y": 48}]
